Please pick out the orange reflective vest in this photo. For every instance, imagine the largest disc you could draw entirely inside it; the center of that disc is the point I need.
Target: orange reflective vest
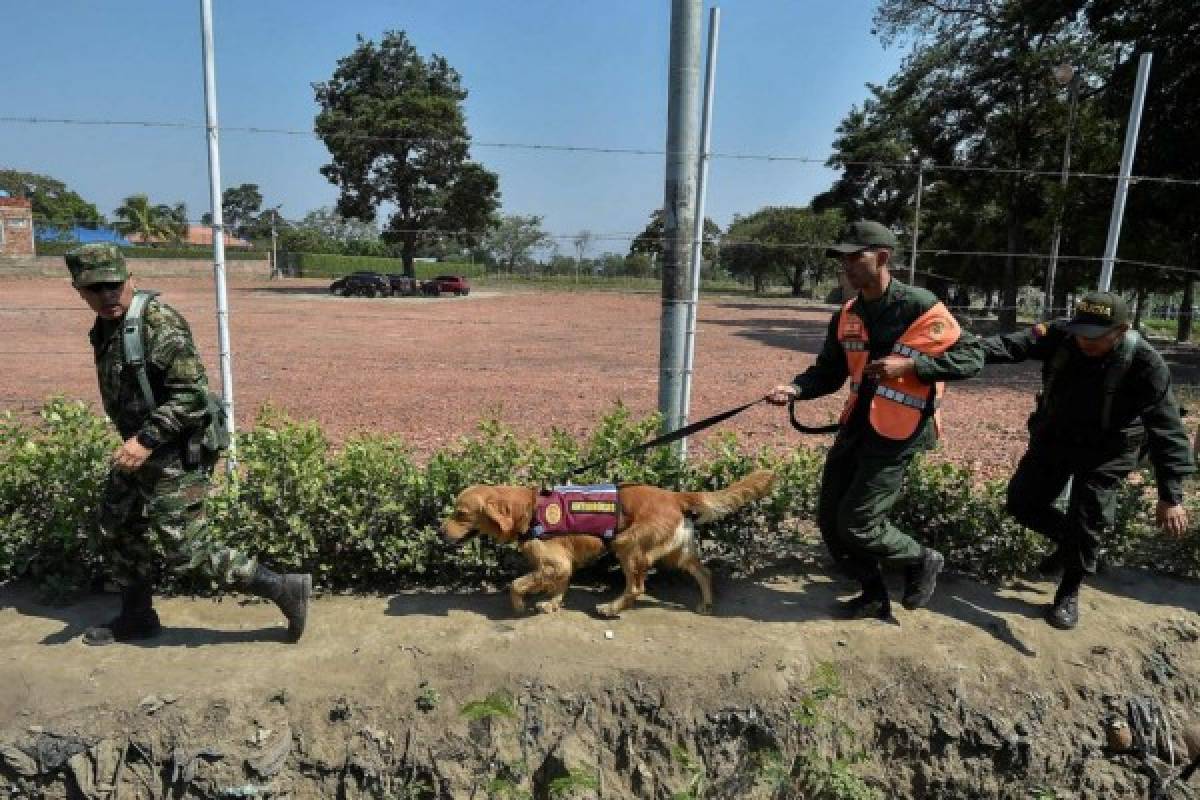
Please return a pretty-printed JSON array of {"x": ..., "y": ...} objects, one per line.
[{"x": 898, "y": 403}]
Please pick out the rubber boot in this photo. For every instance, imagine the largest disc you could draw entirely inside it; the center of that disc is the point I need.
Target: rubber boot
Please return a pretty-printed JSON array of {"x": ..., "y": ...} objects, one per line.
[
  {"x": 920, "y": 579},
  {"x": 137, "y": 620},
  {"x": 290, "y": 592}
]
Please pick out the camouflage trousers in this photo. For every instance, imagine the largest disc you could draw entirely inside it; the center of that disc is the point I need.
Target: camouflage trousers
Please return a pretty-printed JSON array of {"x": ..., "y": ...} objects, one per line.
[{"x": 152, "y": 520}]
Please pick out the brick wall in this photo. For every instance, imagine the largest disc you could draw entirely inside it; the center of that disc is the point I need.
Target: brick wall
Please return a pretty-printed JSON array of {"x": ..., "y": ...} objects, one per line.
[{"x": 16, "y": 227}]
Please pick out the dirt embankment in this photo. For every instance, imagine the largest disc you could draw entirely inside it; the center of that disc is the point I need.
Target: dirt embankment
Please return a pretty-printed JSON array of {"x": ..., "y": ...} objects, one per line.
[{"x": 450, "y": 696}]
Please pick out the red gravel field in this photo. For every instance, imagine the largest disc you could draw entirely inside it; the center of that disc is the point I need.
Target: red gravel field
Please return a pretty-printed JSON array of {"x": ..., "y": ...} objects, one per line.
[{"x": 428, "y": 369}]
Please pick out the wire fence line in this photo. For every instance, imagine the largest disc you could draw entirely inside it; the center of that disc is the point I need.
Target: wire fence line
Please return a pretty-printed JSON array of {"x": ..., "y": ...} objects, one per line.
[
  {"x": 626, "y": 236},
  {"x": 830, "y": 161}
]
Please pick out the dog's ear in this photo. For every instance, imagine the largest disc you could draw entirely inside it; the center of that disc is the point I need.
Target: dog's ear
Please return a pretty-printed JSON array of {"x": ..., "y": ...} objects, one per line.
[{"x": 501, "y": 516}]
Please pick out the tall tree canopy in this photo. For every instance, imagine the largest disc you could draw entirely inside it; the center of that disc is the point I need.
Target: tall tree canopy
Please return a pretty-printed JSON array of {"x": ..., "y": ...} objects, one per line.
[
  {"x": 394, "y": 126},
  {"x": 53, "y": 203},
  {"x": 782, "y": 240},
  {"x": 514, "y": 238},
  {"x": 241, "y": 212},
  {"x": 152, "y": 223},
  {"x": 976, "y": 94},
  {"x": 650, "y": 240}
]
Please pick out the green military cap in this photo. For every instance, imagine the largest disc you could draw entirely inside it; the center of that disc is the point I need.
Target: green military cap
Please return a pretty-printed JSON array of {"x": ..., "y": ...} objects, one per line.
[
  {"x": 96, "y": 263},
  {"x": 1097, "y": 313},
  {"x": 859, "y": 236}
]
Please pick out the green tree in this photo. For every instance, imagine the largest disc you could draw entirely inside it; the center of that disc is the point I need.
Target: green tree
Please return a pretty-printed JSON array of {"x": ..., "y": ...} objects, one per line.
[
  {"x": 241, "y": 211},
  {"x": 152, "y": 223},
  {"x": 1162, "y": 222},
  {"x": 650, "y": 240},
  {"x": 323, "y": 230},
  {"x": 394, "y": 126},
  {"x": 514, "y": 238},
  {"x": 782, "y": 240},
  {"x": 53, "y": 203},
  {"x": 977, "y": 94}
]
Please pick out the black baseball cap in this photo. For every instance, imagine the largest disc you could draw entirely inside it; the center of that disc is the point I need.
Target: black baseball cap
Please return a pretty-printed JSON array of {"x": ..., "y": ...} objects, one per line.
[
  {"x": 861, "y": 235},
  {"x": 1097, "y": 313}
]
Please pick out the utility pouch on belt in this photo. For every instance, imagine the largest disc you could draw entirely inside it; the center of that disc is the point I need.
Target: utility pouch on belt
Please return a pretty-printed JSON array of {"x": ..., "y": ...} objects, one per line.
[{"x": 206, "y": 444}]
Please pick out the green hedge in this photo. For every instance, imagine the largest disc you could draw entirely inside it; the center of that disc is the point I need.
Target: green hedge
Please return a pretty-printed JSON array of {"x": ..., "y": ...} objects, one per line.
[
  {"x": 331, "y": 265},
  {"x": 366, "y": 516},
  {"x": 200, "y": 253}
]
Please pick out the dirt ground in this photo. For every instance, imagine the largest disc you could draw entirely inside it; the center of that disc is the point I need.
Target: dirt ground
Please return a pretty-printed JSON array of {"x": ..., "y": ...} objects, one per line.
[
  {"x": 940, "y": 702},
  {"x": 429, "y": 369}
]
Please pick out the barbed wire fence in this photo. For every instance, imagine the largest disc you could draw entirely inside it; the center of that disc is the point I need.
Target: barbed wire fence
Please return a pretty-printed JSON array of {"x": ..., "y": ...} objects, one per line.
[{"x": 626, "y": 238}]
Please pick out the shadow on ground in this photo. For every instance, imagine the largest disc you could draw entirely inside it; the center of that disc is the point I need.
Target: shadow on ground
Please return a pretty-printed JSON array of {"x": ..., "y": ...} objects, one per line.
[{"x": 77, "y": 617}]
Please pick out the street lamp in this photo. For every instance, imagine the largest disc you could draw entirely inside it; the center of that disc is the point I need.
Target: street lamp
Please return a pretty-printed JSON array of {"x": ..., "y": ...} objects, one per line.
[{"x": 1066, "y": 75}]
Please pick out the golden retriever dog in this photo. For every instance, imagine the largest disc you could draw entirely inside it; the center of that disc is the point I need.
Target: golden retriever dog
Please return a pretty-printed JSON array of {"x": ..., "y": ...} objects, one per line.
[{"x": 656, "y": 526}]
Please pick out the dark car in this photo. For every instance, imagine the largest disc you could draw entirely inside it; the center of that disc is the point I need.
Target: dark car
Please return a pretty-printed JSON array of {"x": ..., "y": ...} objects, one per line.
[
  {"x": 362, "y": 284},
  {"x": 452, "y": 284},
  {"x": 403, "y": 285}
]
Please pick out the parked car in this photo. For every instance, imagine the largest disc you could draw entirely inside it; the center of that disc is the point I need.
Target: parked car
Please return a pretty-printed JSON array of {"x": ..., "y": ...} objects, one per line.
[
  {"x": 403, "y": 285},
  {"x": 452, "y": 284},
  {"x": 362, "y": 284}
]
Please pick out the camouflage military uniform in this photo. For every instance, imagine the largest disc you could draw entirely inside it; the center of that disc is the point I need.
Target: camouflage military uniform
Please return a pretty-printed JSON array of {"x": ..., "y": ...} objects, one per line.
[{"x": 153, "y": 518}]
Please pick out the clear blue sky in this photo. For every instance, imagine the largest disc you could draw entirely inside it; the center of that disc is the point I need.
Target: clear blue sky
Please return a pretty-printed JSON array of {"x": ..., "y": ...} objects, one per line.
[{"x": 566, "y": 72}]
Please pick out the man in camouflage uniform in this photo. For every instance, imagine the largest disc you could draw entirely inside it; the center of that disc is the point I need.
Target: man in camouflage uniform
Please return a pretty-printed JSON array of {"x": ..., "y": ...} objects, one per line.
[
  {"x": 1106, "y": 400},
  {"x": 151, "y": 517}
]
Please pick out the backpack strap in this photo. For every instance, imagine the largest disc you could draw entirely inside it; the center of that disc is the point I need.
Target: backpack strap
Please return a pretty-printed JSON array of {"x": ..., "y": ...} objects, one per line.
[
  {"x": 1121, "y": 360},
  {"x": 133, "y": 343}
]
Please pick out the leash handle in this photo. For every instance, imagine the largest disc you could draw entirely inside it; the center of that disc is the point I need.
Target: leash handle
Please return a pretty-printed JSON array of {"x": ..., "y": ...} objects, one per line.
[{"x": 810, "y": 429}]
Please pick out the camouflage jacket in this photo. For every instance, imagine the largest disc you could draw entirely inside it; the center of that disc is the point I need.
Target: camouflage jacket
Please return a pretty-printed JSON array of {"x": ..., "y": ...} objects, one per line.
[{"x": 173, "y": 367}]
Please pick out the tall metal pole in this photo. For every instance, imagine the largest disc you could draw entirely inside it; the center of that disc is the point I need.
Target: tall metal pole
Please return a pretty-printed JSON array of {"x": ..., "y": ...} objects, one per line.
[
  {"x": 678, "y": 203},
  {"x": 1048, "y": 296},
  {"x": 275, "y": 273},
  {"x": 685, "y": 403},
  {"x": 912, "y": 266},
  {"x": 1131, "y": 135},
  {"x": 214, "y": 194}
]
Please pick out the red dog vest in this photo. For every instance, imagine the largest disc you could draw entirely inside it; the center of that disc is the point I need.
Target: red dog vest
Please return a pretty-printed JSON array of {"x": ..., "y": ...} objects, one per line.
[{"x": 594, "y": 510}]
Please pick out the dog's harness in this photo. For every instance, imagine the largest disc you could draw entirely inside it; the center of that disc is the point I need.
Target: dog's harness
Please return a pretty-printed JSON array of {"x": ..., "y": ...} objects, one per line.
[{"x": 592, "y": 510}]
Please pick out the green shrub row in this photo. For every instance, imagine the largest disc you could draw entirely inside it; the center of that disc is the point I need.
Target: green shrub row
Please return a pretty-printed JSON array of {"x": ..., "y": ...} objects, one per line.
[
  {"x": 331, "y": 265},
  {"x": 199, "y": 253},
  {"x": 366, "y": 516}
]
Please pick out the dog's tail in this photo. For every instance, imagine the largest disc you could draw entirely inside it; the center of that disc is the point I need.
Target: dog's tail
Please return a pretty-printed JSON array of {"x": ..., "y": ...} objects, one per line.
[{"x": 707, "y": 506}]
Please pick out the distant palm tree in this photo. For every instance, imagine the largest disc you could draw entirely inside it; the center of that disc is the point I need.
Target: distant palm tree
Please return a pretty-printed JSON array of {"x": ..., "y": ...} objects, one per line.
[{"x": 148, "y": 222}]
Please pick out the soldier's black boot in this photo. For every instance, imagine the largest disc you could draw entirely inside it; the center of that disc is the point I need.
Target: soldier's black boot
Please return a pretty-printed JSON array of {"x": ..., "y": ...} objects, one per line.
[
  {"x": 1064, "y": 613},
  {"x": 137, "y": 620},
  {"x": 920, "y": 579},
  {"x": 872, "y": 603},
  {"x": 290, "y": 592}
]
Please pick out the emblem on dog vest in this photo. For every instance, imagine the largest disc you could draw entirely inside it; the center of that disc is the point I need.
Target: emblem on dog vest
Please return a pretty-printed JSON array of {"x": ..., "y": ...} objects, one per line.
[{"x": 593, "y": 510}]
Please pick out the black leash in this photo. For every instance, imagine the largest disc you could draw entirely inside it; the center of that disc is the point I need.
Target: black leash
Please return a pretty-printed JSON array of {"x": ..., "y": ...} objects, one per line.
[
  {"x": 707, "y": 422},
  {"x": 832, "y": 428},
  {"x": 667, "y": 438}
]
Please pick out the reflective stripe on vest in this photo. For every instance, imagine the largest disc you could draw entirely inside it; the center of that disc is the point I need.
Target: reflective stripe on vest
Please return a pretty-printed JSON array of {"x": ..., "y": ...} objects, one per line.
[{"x": 899, "y": 405}]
